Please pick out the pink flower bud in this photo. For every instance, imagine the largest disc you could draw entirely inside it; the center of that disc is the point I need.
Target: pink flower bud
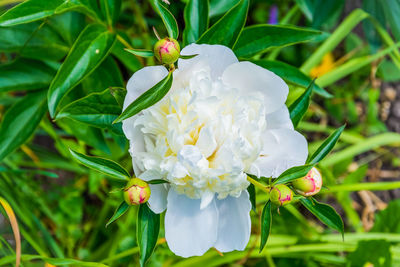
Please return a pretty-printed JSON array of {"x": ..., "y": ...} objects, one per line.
[
  {"x": 167, "y": 50},
  {"x": 281, "y": 195},
  {"x": 310, "y": 184},
  {"x": 136, "y": 192}
]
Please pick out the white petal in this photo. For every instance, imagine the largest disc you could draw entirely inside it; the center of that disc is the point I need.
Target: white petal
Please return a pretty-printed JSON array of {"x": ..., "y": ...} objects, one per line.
[
  {"x": 217, "y": 57},
  {"x": 234, "y": 225},
  {"x": 249, "y": 77},
  {"x": 282, "y": 149},
  {"x": 158, "y": 198},
  {"x": 206, "y": 141},
  {"x": 206, "y": 199},
  {"x": 280, "y": 118},
  {"x": 190, "y": 231}
]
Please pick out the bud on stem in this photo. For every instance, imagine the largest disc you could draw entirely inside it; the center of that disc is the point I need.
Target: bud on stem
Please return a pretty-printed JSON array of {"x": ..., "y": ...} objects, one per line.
[
  {"x": 136, "y": 192},
  {"x": 281, "y": 195},
  {"x": 310, "y": 184},
  {"x": 167, "y": 50}
]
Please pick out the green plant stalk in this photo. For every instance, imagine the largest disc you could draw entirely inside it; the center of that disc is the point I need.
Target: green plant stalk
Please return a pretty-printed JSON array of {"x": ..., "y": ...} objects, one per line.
[
  {"x": 376, "y": 141},
  {"x": 337, "y": 36},
  {"x": 264, "y": 188},
  {"x": 352, "y": 65},
  {"x": 379, "y": 186}
]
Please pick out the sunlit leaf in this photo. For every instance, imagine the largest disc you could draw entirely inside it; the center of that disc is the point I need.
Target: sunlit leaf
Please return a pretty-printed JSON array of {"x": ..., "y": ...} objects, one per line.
[
  {"x": 300, "y": 106},
  {"x": 148, "y": 227},
  {"x": 196, "y": 20},
  {"x": 293, "y": 174},
  {"x": 122, "y": 208},
  {"x": 266, "y": 222}
]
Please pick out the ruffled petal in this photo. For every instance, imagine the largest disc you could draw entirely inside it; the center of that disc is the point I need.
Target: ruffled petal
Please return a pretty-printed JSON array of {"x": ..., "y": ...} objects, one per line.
[
  {"x": 278, "y": 119},
  {"x": 282, "y": 149},
  {"x": 190, "y": 231},
  {"x": 158, "y": 198},
  {"x": 234, "y": 225},
  {"x": 249, "y": 77},
  {"x": 217, "y": 57}
]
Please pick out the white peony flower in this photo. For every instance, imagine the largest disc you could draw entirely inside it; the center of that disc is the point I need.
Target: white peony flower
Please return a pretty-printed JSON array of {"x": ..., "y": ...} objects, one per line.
[{"x": 220, "y": 120}]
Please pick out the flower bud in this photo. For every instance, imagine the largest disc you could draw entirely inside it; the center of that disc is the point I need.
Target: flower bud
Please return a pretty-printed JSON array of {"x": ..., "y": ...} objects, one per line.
[
  {"x": 310, "y": 184},
  {"x": 136, "y": 192},
  {"x": 281, "y": 195},
  {"x": 167, "y": 50}
]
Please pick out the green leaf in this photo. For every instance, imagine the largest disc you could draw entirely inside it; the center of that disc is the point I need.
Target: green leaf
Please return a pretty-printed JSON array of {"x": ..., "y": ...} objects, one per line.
[
  {"x": 375, "y": 253},
  {"x": 148, "y": 227},
  {"x": 300, "y": 106},
  {"x": 387, "y": 220},
  {"x": 102, "y": 165},
  {"x": 219, "y": 7},
  {"x": 68, "y": 25},
  {"x": 392, "y": 11},
  {"x": 258, "y": 38},
  {"x": 293, "y": 174},
  {"x": 325, "y": 10},
  {"x": 89, "y": 50},
  {"x": 252, "y": 195},
  {"x": 96, "y": 109},
  {"x": 291, "y": 75},
  {"x": 169, "y": 20},
  {"x": 266, "y": 222},
  {"x": 149, "y": 98},
  {"x": 227, "y": 29},
  {"x": 131, "y": 63},
  {"x": 88, "y": 7},
  {"x": 29, "y": 11},
  {"x": 325, "y": 213},
  {"x": 326, "y": 146},
  {"x": 119, "y": 94},
  {"x": 25, "y": 74},
  {"x": 20, "y": 121},
  {"x": 33, "y": 40},
  {"x": 110, "y": 10},
  {"x": 140, "y": 52},
  {"x": 122, "y": 208},
  {"x": 196, "y": 20},
  {"x": 157, "y": 181},
  {"x": 187, "y": 56}
]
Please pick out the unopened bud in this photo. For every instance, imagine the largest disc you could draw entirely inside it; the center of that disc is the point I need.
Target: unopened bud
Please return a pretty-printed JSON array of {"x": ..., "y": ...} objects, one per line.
[
  {"x": 167, "y": 50},
  {"x": 310, "y": 184},
  {"x": 281, "y": 195},
  {"x": 136, "y": 192}
]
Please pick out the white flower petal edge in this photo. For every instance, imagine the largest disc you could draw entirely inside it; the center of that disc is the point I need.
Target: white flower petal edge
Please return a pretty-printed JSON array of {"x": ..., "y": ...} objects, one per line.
[
  {"x": 248, "y": 77},
  {"x": 283, "y": 149},
  {"x": 280, "y": 118},
  {"x": 217, "y": 57},
  {"x": 234, "y": 225},
  {"x": 189, "y": 230}
]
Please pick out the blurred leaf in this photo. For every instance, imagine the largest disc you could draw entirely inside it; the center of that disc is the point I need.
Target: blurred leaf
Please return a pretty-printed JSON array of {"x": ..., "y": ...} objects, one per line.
[
  {"x": 325, "y": 213},
  {"x": 375, "y": 9},
  {"x": 147, "y": 99},
  {"x": 102, "y": 165},
  {"x": 96, "y": 109},
  {"x": 25, "y": 74},
  {"x": 388, "y": 71},
  {"x": 68, "y": 25},
  {"x": 219, "y": 7},
  {"x": 252, "y": 195},
  {"x": 122, "y": 208},
  {"x": 326, "y": 146},
  {"x": 20, "y": 121},
  {"x": 371, "y": 253},
  {"x": 324, "y": 10},
  {"x": 266, "y": 222},
  {"x": 387, "y": 220},
  {"x": 293, "y": 174},
  {"x": 140, "y": 52},
  {"x": 196, "y": 20},
  {"x": 89, "y": 50},
  {"x": 169, "y": 20},
  {"x": 119, "y": 94},
  {"x": 291, "y": 74},
  {"x": 148, "y": 227},
  {"x": 14, "y": 225},
  {"x": 29, "y": 11},
  {"x": 132, "y": 63},
  {"x": 88, "y": 7},
  {"x": 111, "y": 10},
  {"x": 226, "y": 30},
  {"x": 300, "y": 106},
  {"x": 307, "y": 7},
  {"x": 392, "y": 11},
  {"x": 33, "y": 41},
  {"x": 258, "y": 38}
]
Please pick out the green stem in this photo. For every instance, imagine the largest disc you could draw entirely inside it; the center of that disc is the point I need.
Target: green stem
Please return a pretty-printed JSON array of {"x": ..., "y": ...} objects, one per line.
[{"x": 264, "y": 188}]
